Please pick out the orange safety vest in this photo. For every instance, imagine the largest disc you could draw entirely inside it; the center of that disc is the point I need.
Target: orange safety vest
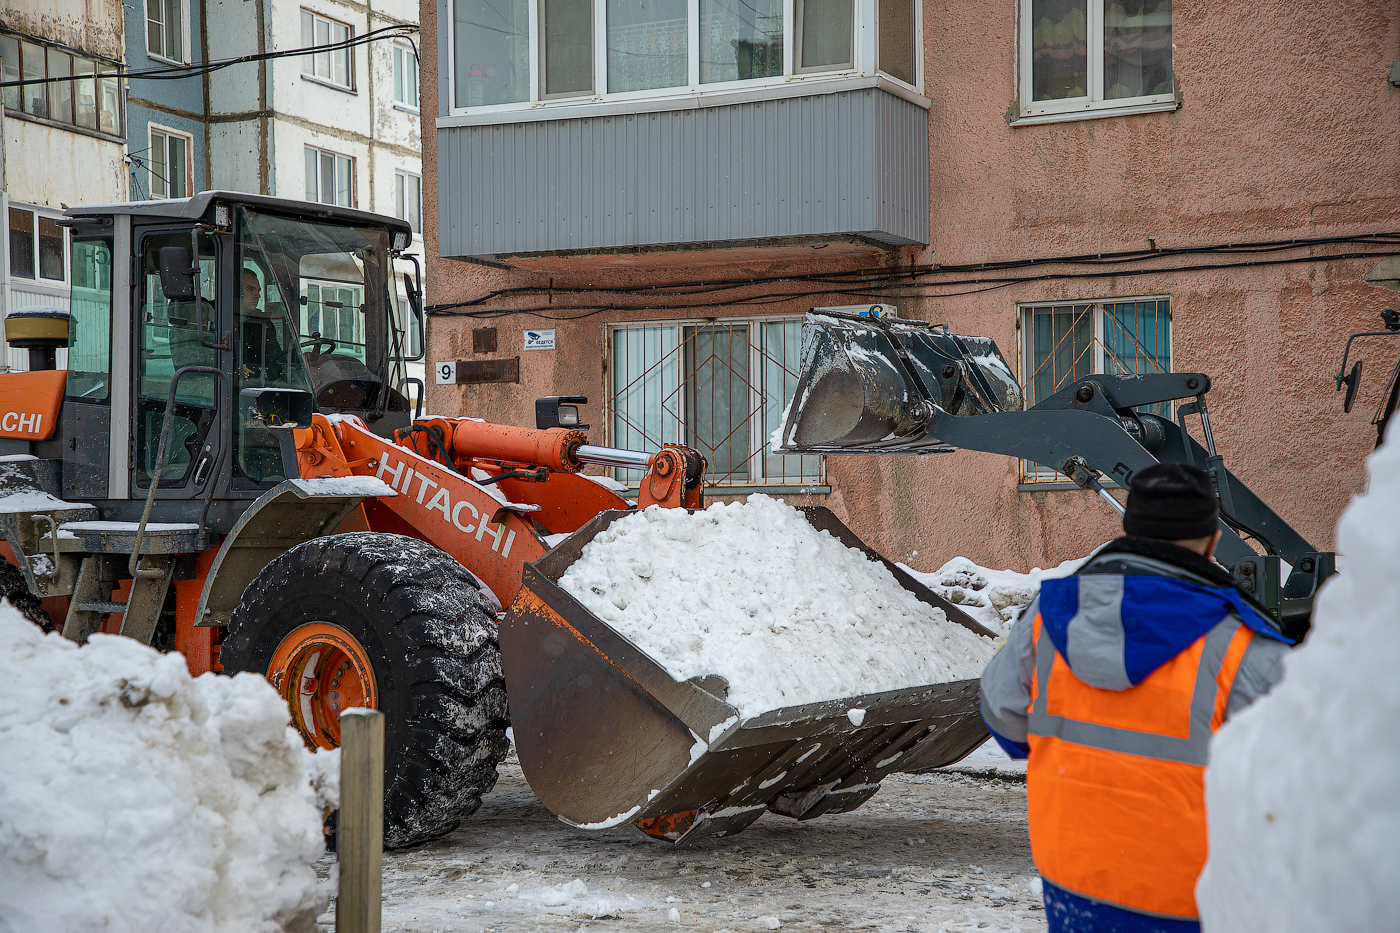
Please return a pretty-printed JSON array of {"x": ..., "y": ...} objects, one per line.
[{"x": 1116, "y": 778}]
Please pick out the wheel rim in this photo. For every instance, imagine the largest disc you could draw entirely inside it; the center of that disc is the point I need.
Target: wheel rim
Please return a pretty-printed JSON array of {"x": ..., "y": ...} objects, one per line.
[{"x": 321, "y": 670}]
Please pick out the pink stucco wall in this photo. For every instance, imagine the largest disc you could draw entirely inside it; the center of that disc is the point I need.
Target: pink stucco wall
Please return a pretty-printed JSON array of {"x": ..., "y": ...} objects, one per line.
[{"x": 1289, "y": 128}]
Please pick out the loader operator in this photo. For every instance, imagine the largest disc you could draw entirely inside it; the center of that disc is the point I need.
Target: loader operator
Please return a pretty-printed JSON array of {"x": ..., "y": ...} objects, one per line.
[
  {"x": 264, "y": 356},
  {"x": 1112, "y": 685}
]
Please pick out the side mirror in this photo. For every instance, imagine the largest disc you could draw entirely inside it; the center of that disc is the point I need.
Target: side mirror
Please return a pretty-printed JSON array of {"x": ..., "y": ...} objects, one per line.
[
  {"x": 559, "y": 411},
  {"x": 176, "y": 273},
  {"x": 1351, "y": 381},
  {"x": 272, "y": 407}
]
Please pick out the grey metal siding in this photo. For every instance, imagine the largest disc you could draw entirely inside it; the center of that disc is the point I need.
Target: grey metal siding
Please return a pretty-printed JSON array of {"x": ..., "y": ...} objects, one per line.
[{"x": 850, "y": 163}]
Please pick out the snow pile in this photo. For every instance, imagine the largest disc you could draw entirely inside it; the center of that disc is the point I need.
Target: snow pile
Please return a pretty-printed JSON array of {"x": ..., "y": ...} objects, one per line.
[
  {"x": 135, "y": 798},
  {"x": 752, "y": 592},
  {"x": 1303, "y": 789},
  {"x": 995, "y": 598},
  {"x": 573, "y": 898}
]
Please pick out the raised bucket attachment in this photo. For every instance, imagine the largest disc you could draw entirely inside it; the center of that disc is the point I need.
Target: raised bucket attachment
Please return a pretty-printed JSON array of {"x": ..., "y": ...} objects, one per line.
[
  {"x": 871, "y": 385},
  {"x": 606, "y": 736}
]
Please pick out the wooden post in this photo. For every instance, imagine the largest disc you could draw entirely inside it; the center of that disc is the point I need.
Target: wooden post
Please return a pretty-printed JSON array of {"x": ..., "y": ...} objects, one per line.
[{"x": 360, "y": 829}]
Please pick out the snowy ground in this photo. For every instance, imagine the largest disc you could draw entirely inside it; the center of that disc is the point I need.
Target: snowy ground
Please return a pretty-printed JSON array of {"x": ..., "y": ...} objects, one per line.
[{"x": 935, "y": 852}]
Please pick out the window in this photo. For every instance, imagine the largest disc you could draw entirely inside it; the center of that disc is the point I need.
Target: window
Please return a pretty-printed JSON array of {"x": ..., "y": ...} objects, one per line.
[
  {"x": 330, "y": 178},
  {"x": 165, "y": 29},
  {"x": 519, "y": 52},
  {"x": 91, "y": 101},
  {"x": 90, "y": 353},
  {"x": 408, "y": 199},
  {"x": 1080, "y": 56},
  {"x": 1063, "y": 343},
  {"x": 405, "y": 77},
  {"x": 36, "y": 246},
  {"x": 718, "y": 386},
  {"x": 169, "y": 163},
  {"x": 336, "y": 66}
]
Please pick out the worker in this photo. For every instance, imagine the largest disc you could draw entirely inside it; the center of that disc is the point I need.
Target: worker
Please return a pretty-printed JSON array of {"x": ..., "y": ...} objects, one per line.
[
  {"x": 264, "y": 356},
  {"x": 1111, "y": 685}
]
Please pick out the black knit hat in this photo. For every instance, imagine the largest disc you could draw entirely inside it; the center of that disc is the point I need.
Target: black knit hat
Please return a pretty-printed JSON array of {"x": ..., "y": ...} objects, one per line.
[{"x": 1170, "y": 501}]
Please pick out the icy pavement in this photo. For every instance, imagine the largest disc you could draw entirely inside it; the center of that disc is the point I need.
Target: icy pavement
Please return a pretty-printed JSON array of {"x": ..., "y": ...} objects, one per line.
[{"x": 935, "y": 853}]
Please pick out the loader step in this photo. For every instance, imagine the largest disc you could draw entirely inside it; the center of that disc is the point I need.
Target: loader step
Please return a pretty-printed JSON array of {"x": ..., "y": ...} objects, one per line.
[
  {"x": 103, "y": 537},
  {"x": 103, "y": 606}
]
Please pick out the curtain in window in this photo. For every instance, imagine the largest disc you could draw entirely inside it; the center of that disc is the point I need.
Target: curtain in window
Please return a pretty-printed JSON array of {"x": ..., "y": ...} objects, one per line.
[
  {"x": 740, "y": 39},
  {"x": 1059, "y": 49},
  {"x": 1136, "y": 340},
  {"x": 826, "y": 27},
  {"x": 646, "y": 44},
  {"x": 1137, "y": 54}
]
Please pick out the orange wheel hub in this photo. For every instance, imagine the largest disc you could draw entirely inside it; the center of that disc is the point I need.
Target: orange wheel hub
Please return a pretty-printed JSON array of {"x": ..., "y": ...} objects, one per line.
[{"x": 321, "y": 670}]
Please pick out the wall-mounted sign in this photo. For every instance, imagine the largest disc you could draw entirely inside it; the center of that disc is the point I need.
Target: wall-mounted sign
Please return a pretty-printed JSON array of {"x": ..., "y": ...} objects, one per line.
[
  {"x": 539, "y": 339},
  {"x": 446, "y": 374}
]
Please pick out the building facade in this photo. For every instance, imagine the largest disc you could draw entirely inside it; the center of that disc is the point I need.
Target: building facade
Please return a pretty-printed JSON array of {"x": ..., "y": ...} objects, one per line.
[
  {"x": 667, "y": 188},
  {"x": 64, "y": 141}
]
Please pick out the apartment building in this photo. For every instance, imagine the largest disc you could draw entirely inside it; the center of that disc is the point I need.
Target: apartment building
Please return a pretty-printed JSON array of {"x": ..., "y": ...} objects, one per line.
[{"x": 64, "y": 142}]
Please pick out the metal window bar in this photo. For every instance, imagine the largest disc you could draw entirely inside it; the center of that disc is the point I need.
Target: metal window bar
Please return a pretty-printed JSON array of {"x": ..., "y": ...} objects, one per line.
[
  {"x": 718, "y": 385},
  {"x": 1067, "y": 342}
]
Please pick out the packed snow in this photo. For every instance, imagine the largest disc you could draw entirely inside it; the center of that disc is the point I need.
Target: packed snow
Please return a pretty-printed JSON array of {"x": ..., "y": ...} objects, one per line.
[
  {"x": 996, "y": 598},
  {"x": 367, "y": 486},
  {"x": 135, "y": 798},
  {"x": 752, "y": 592},
  {"x": 1302, "y": 793}
]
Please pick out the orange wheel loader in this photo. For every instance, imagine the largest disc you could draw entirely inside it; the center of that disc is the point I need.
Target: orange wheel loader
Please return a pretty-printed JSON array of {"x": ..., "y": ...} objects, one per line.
[{"x": 225, "y": 464}]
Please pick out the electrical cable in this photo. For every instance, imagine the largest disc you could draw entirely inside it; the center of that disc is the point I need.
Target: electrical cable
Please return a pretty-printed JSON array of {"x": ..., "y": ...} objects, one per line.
[
  {"x": 554, "y": 312},
  {"x": 177, "y": 72}
]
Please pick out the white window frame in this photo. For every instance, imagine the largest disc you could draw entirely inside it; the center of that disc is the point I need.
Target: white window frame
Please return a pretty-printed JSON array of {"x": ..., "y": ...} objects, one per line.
[
  {"x": 401, "y": 177},
  {"x": 402, "y": 57},
  {"x": 39, "y": 282},
  {"x": 674, "y": 429},
  {"x": 1036, "y": 475},
  {"x": 354, "y": 195},
  {"x": 166, "y": 7},
  {"x": 1093, "y": 105},
  {"x": 865, "y": 32},
  {"x": 151, "y": 130},
  {"x": 310, "y": 68}
]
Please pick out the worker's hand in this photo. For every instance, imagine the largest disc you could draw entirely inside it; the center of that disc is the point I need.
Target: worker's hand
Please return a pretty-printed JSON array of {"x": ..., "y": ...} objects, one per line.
[{"x": 249, "y": 371}]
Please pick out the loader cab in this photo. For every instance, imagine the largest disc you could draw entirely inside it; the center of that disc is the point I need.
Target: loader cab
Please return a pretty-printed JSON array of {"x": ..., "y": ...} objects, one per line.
[{"x": 287, "y": 308}]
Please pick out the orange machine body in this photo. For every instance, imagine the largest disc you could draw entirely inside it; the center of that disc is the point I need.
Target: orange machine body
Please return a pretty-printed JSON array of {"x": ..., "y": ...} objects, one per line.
[{"x": 29, "y": 403}]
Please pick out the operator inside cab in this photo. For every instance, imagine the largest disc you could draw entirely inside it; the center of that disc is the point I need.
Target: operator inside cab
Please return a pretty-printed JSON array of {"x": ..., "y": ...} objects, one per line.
[{"x": 265, "y": 340}]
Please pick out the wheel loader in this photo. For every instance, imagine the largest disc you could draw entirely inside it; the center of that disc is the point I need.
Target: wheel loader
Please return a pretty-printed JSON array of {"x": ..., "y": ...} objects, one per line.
[
  {"x": 226, "y": 465},
  {"x": 872, "y": 384}
]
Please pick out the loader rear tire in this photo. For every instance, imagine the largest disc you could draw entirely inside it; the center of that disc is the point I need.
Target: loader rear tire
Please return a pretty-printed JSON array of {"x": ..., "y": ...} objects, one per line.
[
  {"x": 13, "y": 588},
  {"x": 412, "y": 621}
]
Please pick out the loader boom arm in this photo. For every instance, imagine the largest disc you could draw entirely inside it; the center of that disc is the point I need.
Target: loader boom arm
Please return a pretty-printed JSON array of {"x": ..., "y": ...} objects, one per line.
[{"x": 486, "y": 493}]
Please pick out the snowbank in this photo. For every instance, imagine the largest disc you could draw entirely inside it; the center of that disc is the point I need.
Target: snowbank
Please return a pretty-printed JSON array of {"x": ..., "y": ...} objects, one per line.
[
  {"x": 995, "y": 598},
  {"x": 752, "y": 592},
  {"x": 1303, "y": 789},
  {"x": 134, "y": 798}
]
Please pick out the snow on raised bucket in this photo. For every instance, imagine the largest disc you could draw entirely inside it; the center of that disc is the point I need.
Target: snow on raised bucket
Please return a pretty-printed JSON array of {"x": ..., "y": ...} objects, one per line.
[
  {"x": 134, "y": 798},
  {"x": 752, "y": 592}
]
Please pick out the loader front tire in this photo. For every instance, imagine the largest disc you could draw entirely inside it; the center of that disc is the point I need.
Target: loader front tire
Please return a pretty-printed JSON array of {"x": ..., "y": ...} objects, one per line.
[{"x": 392, "y": 622}]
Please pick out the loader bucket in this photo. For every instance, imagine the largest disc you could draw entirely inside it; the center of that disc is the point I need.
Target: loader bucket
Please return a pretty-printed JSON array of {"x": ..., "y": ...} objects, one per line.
[
  {"x": 606, "y": 736},
  {"x": 869, "y": 385}
]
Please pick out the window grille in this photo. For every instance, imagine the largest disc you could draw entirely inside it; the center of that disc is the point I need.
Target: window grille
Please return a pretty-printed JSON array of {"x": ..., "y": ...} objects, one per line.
[{"x": 718, "y": 386}]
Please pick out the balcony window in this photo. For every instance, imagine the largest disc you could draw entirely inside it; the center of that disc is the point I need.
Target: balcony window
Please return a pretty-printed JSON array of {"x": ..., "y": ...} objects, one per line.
[
  {"x": 408, "y": 199},
  {"x": 718, "y": 386},
  {"x": 1088, "y": 58},
  {"x": 37, "y": 246},
  {"x": 516, "y": 53},
  {"x": 91, "y": 101}
]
